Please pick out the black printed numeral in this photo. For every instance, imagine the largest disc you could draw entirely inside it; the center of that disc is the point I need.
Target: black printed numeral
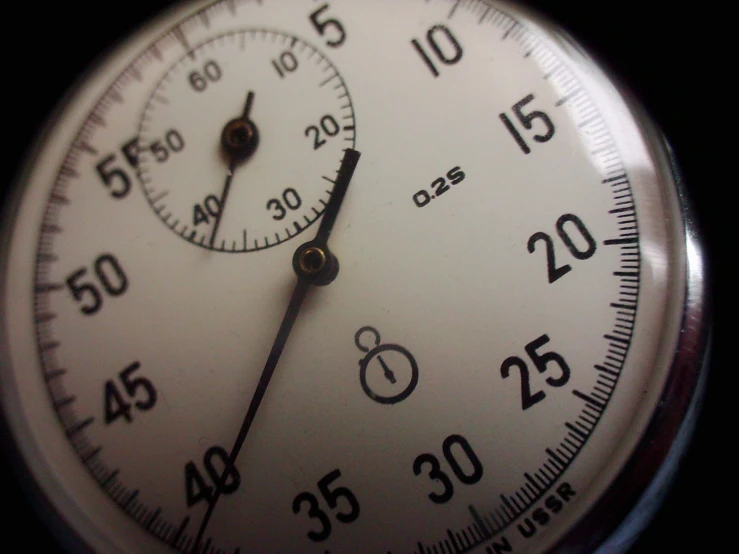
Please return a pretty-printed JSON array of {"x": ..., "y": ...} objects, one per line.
[
  {"x": 461, "y": 458},
  {"x": 89, "y": 293},
  {"x": 542, "y": 361},
  {"x": 286, "y": 63},
  {"x": 201, "y": 213},
  {"x": 219, "y": 474},
  {"x": 117, "y": 395},
  {"x": 116, "y": 177},
  {"x": 200, "y": 80},
  {"x": 348, "y": 512},
  {"x": 327, "y": 127},
  {"x": 328, "y": 27},
  {"x": 290, "y": 200},
  {"x": 581, "y": 249},
  {"x": 545, "y": 128},
  {"x": 444, "y": 45}
]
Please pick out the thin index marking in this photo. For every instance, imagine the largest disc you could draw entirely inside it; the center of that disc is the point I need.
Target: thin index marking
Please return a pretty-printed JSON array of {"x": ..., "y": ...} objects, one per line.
[
  {"x": 589, "y": 399},
  {"x": 567, "y": 97},
  {"x": 508, "y": 505},
  {"x": 97, "y": 119},
  {"x": 510, "y": 30},
  {"x": 48, "y": 287},
  {"x": 479, "y": 521},
  {"x": 156, "y": 52},
  {"x": 131, "y": 498},
  {"x": 59, "y": 404},
  {"x": 454, "y": 9},
  {"x": 113, "y": 475},
  {"x": 47, "y": 257},
  {"x": 79, "y": 427},
  {"x": 452, "y": 540},
  {"x": 68, "y": 171},
  {"x": 54, "y": 374},
  {"x": 589, "y": 121},
  {"x": 484, "y": 14},
  {"x": 623, "y": 306},
  {"x": 136, "y": 73},
  {"x": 326, "y": 81},
  {"x": 606, "y": 370},
  {"x": 556, "y": 458},
  {"x": 44, "y": 317},
  {"x": 153, "y": 518},
  {"x": 617, "y": 339},
  {"x": 86, "y": 147},
  {"x": 625, "y": 240},
  {"x": 621, "y": 177},
  {"x": 57, "y": 198},
  {"x": 92, "y": 454},
  {"x": 158, "y": 197},
  {"x": 178, "y": 534},
  {"x": 182, "y": 39},
  {"x": 575, "y": 430}
]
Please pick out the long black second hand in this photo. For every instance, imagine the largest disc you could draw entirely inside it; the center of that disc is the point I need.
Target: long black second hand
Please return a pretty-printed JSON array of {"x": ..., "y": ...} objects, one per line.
[{"x": 346, "y": 170}]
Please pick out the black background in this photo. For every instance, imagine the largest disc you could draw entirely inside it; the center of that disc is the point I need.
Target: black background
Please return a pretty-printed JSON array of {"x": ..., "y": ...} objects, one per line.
[{"x": 666, "y": 56}]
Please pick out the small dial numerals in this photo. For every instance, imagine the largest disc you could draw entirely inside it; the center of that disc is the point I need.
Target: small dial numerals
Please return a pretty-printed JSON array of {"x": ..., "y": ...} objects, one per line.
[{"x": 300, "y": 119}]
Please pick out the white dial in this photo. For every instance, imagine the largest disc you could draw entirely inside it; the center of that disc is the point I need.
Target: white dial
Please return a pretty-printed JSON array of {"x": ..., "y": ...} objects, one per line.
[{"x": 512, "y": 274}]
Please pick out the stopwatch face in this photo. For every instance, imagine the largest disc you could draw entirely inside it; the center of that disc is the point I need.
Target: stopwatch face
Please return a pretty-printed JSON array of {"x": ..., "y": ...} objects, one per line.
[{"x": 408, "y": 277}]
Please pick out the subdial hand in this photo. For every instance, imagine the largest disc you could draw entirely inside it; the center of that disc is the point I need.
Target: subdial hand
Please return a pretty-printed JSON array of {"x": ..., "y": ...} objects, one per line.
[
  {"x": 239, "y": 140},
  {"x": 389, "y": 375},
  {"x": 314, "y": 264}
]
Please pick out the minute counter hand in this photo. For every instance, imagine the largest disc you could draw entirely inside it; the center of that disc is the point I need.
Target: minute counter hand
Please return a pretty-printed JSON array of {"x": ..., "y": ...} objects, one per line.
[
  {"x": 239, "y": 139},
  {"x": 314, "y": 264}
]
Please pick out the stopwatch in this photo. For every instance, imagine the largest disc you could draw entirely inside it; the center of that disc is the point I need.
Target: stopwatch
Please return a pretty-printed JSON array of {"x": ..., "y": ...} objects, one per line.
[{"x": 349, "y": 276}]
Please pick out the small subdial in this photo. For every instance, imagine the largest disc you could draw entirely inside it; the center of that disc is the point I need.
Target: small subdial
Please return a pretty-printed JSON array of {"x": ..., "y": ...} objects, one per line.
[{"x": 242, "y": 139}]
